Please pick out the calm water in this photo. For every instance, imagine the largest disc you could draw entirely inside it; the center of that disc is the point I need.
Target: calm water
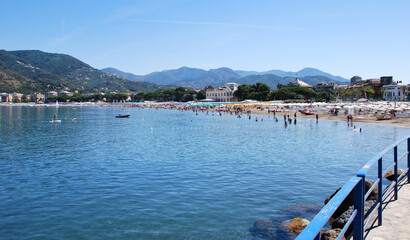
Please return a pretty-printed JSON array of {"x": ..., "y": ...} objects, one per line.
[{"x": 165, "y": 174}]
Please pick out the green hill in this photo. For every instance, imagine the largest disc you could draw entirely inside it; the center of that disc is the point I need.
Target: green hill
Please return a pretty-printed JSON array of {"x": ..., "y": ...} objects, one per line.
[
  {"x": 268, "y": 79},
  {"x": 27, "y": 76},
  {"x": 13, "y": 82},
  {"x": 33, "y": 70}
]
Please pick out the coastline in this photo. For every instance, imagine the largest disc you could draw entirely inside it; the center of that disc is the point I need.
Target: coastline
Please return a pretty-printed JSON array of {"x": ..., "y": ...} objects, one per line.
[
  {"x": 403, "y": 122},
  {"x": 395, "y": 122}
]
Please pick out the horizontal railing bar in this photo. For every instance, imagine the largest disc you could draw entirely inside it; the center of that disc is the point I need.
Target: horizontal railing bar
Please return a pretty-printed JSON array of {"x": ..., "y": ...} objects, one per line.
[
  {"x": 360, "y": 219},
  {"x": 404, "y": 155},
  {"x": 347, "y": 225},
  {"x": 371, "y": 189},
  {"x": 406, "y": 171},
  {"x": 362, "y": 172},
  {"x": 387, "y": 191},
  {"x": 370, "y": 217},
  {"x": 403, "y": 178},
  {"x": 402, "y": 175},
  {"x": 311, "y": 231},
  {"x": 389, "y": 169}
]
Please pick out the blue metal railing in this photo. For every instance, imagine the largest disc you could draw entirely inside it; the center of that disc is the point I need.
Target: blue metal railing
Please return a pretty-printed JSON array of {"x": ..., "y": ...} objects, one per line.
[{"x": 357, "y": 186}]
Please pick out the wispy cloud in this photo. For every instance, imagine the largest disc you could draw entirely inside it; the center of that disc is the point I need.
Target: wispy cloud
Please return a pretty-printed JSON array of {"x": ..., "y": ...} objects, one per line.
[
  {"x": 78, "y": 31},
  {"x": 65, "y": 37},
  {"x": 216, "y": 23}
]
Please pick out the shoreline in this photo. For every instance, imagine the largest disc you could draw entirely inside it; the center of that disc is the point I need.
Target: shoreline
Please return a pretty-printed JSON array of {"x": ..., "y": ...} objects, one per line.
[
  {"x": 403, "y": 122},
  {"x": 395, "y": 122}
]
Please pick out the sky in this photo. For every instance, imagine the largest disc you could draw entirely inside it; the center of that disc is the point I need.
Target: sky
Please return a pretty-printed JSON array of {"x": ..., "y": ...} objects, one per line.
[{"x": 368, "y": 38}]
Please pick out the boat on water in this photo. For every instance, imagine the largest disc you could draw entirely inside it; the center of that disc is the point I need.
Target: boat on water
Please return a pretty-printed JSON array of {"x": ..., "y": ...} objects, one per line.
[
  {"x": 122, "y": 116},
  {"x": 384, "y": 118},
  {"x": 55, "y": 121}
]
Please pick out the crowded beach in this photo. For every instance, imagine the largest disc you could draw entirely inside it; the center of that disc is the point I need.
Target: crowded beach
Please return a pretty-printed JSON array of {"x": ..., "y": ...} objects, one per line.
[
  {"x": 381, "y": 112},
  {"x": 393, "y": 114}
]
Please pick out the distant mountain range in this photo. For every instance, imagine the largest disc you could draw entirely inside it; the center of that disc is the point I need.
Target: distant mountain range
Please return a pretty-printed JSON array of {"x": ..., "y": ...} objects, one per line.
[
  {"x": 29, "y": 71},
  {"x": 36, "y": 71},
  {"x": 199, "y": 78}
]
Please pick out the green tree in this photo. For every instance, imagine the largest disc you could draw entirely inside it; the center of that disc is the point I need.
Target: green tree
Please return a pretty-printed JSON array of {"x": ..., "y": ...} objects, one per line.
[
  {"x": 261, "y": 92},
  {"x": 179, "y": 94},
  {"x": 323, "y": 95},
  {"x": 368, "y": 91},
  {"x": 242, "y": 92},
  {"x": 151, "y": 96},
  {"x": 201, "y": 95},
  {"x": 292, "y": 93}
]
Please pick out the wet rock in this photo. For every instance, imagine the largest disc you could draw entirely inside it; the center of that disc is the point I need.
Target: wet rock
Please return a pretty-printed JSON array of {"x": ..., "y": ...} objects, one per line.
[
  {"x": 349, "y": 201},
  {"x": 342, "y": 219},
  {"x": 390, "y": 175},
  {"x": 295, "y": 225},
  {"x": 264, "y": 228},
  {"x": 367, "y": 185},
  {"x": 332, "y": 234}
]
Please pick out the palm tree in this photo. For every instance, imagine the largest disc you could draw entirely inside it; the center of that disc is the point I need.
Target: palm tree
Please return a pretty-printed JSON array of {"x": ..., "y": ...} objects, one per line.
[
  {"x": 382, "y": 92},
  {"x": 403, "y": 90}
]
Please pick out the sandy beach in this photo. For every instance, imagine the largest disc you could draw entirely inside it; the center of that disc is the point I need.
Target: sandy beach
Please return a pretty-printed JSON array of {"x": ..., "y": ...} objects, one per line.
[{"x": 397, "y": 122}]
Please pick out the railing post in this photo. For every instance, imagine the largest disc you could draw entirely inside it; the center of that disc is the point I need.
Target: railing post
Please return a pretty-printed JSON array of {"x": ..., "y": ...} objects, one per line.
[
  {"x": 395, "y": 174},
  {"x": 359, "y": 206},
  {"x": 380, "y": 190},
  {"x": 408, "y": 160}
]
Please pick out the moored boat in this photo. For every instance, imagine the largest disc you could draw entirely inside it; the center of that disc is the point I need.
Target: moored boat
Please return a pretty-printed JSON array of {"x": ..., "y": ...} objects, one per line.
[
  {"x": 122, "y": 116},
  {"x": 384, "y": 117},
  {"x": 307, "y": 112}
]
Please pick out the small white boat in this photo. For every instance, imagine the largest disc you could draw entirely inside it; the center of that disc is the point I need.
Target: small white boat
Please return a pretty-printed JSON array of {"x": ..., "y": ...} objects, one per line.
[{"x": 55, "y": 121}]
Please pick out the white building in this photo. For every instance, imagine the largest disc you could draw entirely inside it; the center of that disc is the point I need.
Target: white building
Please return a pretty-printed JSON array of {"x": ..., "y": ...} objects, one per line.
[
  {"x": 232, "y": 86},
  {"x": 51, "y": 94},
  {"x": 395, "y": 92},
  {"x": 222, "y": 94},
  {"x": 298, "y": 83}
]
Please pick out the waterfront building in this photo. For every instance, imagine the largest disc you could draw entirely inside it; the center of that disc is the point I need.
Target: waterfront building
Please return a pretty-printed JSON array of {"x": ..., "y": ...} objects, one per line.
[
  {"x": 3, "y": 97},
  {"x": 51, "y": 94},
  {"x": 17, "y": 97},
  {"x": 375, "y": 83},
  {"x": 66, "y": 93},
  {"x": 221, "y": 94},
  {"x": 26, "y": 98},
  {"x": 298, "y": 83},
  {"x": 356, "y": 80},
  {"x": 9, "y": 97},
  {"x": 37, "y": 97},
  {"x": 325, "y": 86},
  {"x": 232, "y": 86},
  {"x": 395, "y": 91},
  {"x": 386, "y": 80}
]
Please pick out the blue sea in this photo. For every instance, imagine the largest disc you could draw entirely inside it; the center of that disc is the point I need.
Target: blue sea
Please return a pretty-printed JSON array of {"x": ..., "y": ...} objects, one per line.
[{"x": 167, "y": 174}]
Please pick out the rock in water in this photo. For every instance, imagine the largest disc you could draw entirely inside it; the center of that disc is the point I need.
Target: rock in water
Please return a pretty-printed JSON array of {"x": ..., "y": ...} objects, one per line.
[
  {"x": 390, "y": 175},
  {"x": 295, "y": 225},
  {"x": 332, "y": 234},
  {"x": 342, "y": 219},
  {"x": 264, "y": 229},
  {"x": 349, "y": 201}
]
